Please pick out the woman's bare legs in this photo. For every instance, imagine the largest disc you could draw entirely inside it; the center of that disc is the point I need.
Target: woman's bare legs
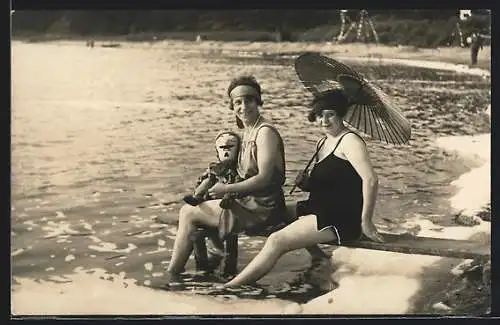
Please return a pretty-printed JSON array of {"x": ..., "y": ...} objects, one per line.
[
  {"x": 301, "y": 233},
  {"x": 190, "y": 217},
  {"x": 316, "y": 253}
]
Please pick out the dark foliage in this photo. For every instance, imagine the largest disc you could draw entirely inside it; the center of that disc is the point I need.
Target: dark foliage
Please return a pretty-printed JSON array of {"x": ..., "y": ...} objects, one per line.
[{"x": 423, "y": 28}]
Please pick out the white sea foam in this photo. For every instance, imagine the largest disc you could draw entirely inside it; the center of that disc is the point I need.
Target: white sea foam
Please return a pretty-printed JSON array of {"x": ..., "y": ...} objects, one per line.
[
  {"x": 109, "y": 247},
  {"x": 377, "y": 282},
  {"x": 61, "y": 228},
  {"x": 475, "y": 186},
  {"x": 90, "y": 294},
  {"x": 370, "y": 282}
]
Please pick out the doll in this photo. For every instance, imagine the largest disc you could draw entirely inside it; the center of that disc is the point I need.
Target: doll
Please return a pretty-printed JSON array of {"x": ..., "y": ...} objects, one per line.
[
  {"x": 227, "y": 145},
  {"x": 222, "y": 248}
]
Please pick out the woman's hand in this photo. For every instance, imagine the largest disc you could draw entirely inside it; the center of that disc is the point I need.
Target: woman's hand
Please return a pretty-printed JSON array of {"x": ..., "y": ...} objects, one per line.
[
  {"x": 218, "y": 190},
  {"x": 370, "y": 231}
]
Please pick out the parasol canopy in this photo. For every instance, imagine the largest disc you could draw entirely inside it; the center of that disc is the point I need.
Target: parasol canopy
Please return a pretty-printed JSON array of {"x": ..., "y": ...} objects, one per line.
[{"x": 371, "y": 111}]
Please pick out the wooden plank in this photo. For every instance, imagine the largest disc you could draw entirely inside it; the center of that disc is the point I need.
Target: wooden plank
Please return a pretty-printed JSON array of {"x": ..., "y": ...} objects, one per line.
[{"x": 409, "y": 244}]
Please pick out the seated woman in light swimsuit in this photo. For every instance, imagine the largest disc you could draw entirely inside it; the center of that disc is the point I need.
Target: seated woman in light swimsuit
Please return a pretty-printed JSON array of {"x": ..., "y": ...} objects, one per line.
[{"x": 261, "y": 166}]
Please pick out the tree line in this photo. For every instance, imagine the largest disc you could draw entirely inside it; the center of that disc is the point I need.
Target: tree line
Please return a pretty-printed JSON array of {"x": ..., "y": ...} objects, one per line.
[{"x": 126, "y": 22}]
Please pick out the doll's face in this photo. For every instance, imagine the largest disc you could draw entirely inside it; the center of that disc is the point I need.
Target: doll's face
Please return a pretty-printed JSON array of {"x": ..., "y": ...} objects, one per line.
[{"x": 227, "y": 147}]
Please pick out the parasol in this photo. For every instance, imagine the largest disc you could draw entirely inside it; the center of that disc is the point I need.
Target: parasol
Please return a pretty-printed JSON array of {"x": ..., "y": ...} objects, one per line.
[{"x": 371, "y": 111}]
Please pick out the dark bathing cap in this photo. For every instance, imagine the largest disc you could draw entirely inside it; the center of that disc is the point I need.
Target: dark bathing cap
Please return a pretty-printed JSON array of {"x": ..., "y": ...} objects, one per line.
[{"x": 334, "y": 99}]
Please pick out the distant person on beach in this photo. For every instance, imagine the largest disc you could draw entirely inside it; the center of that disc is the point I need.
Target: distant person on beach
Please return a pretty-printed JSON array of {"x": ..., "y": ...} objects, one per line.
[
  {"x": 343, "y": 189},
  {"x": 476, "y": 45},
  {"x": 261, "y": 166}
]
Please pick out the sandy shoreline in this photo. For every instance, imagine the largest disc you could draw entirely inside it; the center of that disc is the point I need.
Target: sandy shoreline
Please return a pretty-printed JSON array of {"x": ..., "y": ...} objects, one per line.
[{"x": 452, "y": 55}]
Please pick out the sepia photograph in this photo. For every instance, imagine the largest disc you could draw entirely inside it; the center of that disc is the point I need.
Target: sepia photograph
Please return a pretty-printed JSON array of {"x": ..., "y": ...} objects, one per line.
[{"x": 286, "y": 162}]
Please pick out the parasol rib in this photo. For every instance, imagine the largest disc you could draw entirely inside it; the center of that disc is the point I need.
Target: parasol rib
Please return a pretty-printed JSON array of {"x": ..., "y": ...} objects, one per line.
[
  {"x": 378, "y": 133},
  {"x": 367, "y": 115},
  {"x": 396, "y": 127},
  {"x": 393, "y": 128},
  {"x": 358, "y": 122},
  {"x": 373, "y": 125},
  {"x": 380, "y": 126},
  {"x": 387, "y": 102},
  {"x": 390, "y": 116},
  {"x": 369, "y": 123},
  {"x": 390, "y": 132}
]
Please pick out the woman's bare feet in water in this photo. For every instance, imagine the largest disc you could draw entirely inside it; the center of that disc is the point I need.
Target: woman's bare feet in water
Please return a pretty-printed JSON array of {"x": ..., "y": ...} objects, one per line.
[
  {"x": 370, "y": 231},
  {"x": 228, "y": 285},
  {"x": 320, "y": 274},
  {"x": 173, "y": 279}
]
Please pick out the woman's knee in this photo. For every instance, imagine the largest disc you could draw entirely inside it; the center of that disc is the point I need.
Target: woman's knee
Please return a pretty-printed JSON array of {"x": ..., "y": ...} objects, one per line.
[
  {"x": 187, "y": 214},
  {"x": 205, "y": 214},
  {"x": 277, "y": 241}
]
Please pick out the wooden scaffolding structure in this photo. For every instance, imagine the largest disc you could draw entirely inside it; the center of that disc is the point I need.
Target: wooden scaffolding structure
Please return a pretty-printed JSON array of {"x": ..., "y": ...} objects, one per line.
[{"x": 365, "y": 29}]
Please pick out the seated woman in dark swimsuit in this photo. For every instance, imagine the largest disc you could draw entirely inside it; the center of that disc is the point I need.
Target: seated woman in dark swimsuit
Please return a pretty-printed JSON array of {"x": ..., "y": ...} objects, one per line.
[{"x": 343, "y": 190}]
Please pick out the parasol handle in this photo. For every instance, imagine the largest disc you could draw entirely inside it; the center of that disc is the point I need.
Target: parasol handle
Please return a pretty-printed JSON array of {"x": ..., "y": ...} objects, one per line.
[{"x": 322, "y": 141}]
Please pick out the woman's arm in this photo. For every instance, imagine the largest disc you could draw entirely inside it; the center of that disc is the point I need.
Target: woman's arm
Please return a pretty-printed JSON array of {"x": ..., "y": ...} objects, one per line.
[
  {"x": 354, "y": 149},
  {"x": 268, "y": 150}
]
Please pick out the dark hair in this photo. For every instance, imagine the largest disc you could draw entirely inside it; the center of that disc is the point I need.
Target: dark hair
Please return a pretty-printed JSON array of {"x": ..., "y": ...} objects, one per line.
[
  {"x": 334, "y": 99},
  {"x": 239, "y": 123},
  {"x": 247, "y": 80}
]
